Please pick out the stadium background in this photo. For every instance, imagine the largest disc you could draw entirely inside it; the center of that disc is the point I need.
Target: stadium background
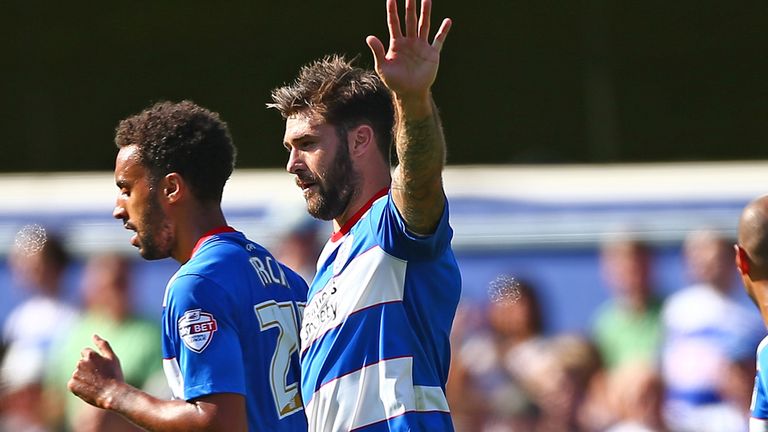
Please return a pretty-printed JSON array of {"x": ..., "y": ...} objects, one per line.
[
  {"x": 543, "y": 224},
  {"x": 521, "y": 81}
]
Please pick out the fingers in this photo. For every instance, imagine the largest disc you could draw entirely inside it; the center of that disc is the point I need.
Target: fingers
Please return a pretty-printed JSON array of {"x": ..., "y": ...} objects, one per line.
[
  {"x": 410, "y": 18},
  {"x": 377, "y": 48},
  {"x": 426, "y": 12},
  {"x": 72, "y": 385},
  {"x": 104, "y": 348},
  {"x": 413, "y": 27},
  {"x": 442, "y": 33},
  {"x": 82, "y": 383},
  {"x": 86, "y": 352},
  {"x": 393, "y": 21}
]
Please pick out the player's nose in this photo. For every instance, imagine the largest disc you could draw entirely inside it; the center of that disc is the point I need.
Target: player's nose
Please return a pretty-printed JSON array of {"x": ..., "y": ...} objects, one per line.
[
  {"x": 295, "y": 162},
  {"x": 119, "y": 212}
]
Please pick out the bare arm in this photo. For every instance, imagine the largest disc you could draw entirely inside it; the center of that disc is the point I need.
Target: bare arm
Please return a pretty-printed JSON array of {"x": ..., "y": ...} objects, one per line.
[
  {"x": 417, "y": 184},
  {"x": 408, "y": 69},
  {"x": 98, "y": 380}
]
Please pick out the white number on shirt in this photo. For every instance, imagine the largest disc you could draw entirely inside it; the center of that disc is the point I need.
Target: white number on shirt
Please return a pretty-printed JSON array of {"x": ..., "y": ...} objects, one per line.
[{"x": 283, "y": 317}]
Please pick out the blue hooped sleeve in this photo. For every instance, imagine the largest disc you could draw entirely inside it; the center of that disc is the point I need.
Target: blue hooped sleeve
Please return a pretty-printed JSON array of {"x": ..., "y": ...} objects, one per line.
[{"x": 396, "y": 240}]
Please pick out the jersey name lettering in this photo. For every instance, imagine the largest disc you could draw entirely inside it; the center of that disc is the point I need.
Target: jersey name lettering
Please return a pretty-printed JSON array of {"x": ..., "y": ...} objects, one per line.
[{"x": 269, "y": 271}]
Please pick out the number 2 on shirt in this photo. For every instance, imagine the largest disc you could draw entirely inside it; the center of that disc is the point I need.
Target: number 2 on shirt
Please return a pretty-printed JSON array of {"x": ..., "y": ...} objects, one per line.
[{"x": 282, "y": 316}]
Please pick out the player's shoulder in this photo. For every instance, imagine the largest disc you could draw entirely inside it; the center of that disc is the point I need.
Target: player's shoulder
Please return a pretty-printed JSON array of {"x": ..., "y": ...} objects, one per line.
[
  {"x": 217, "y": 259},
  {"x": 377, "y": 209},
  {"x": 296, "y": 283},
  {"x": 225, "y": 244},
  {"x": 762, "y": 349},
  {"x": 223, "y": 253},
  {"x": 235, "y": 257}
]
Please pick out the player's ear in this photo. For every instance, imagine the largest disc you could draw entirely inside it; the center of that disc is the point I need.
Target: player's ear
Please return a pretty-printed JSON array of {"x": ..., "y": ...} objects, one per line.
[
  {"x": 361, "y": 139},
  {"x": 742, "y": 260},
  {"x": 172, "y": 187}
]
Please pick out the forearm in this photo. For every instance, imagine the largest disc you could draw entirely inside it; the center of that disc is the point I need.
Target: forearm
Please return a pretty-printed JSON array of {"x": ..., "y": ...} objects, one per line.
[
  {"x": 159, "y": 415},
  {"x": 420, "y": 145}
]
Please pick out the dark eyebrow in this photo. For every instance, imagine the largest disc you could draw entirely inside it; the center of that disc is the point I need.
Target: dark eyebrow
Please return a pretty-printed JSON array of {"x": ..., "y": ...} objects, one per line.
[
  {"x": 290, "y": 143},
  {"x": 302, "y": 137}
]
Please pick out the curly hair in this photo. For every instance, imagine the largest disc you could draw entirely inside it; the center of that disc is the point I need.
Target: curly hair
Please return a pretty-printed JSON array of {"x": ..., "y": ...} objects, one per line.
[
  {"x": 342, "y": 94},
  {"x": 183, "y": 138}
]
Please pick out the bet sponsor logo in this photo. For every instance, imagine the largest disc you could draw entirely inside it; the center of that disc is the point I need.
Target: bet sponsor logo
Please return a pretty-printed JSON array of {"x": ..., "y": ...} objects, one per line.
[{"x": 196, "y": 329}]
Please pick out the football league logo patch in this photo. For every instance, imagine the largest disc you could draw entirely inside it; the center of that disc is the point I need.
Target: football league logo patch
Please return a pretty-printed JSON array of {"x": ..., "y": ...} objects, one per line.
[{"x": 196, "y": 329}]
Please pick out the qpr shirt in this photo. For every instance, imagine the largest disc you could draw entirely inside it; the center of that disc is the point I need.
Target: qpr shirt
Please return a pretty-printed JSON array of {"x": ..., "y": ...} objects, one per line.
[
  {"x": 374, "y": 338},
  {"x": 231, "y": 316},
  {"x": 758, "y": 421}
]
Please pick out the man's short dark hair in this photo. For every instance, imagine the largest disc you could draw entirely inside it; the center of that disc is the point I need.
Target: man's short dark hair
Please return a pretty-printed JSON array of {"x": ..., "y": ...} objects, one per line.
[
  {"x": 183, "y": 138},
  {"x": 342, "y": 94}
]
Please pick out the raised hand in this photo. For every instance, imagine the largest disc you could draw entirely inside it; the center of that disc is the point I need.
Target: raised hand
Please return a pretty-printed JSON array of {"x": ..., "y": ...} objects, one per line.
[
  {"x": 409, "y": 66},
  {"x": 96, "y": 373}
]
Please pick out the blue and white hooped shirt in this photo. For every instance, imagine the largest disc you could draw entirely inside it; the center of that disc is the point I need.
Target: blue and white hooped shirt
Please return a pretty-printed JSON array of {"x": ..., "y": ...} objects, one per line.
[{"x": 374, "y": 340}]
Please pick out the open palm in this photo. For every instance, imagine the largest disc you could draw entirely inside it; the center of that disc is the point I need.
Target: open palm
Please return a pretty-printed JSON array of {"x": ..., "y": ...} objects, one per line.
[{"x": 409, "y": 66}]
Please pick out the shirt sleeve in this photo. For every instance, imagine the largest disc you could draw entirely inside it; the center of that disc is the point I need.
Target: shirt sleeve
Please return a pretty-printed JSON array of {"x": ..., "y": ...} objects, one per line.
[
  {"x": 758, "y": 421},
  {"x": 395, "y": 239},
  {"x": 200, "y": 325}
]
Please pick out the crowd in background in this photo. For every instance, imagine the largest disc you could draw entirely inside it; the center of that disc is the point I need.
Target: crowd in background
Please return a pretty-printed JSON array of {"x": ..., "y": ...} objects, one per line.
[
  {"x": 683, "y": 363},
  {"x": 675, "y": 364},
  {"x": 44, "y": 335}
]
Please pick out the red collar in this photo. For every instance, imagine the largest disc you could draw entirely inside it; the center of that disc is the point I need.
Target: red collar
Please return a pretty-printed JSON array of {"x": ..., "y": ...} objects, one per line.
[
  {"x": 356, "y": 217},
  {"x": 209, "y": 234}
]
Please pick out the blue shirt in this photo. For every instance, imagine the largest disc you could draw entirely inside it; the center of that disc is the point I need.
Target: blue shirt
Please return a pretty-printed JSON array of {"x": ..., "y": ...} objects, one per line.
[
  {"x": 759, "y": 407},
  {"x": 374, "y": 338},
  {"x": 231, "y": 316}
]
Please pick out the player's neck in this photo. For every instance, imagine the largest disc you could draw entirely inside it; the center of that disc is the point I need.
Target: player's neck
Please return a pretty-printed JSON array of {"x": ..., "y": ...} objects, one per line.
[
  {"x": 370, "y": 187},
  {"x": 193, "y": 225},
  {"x": 375, "y": 177}
]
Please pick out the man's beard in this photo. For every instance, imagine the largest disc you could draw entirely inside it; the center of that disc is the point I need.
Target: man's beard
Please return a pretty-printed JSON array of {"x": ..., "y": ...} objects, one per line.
[
  {"x": 335, "y": 188},
  {"x": 154, "y": 239}
]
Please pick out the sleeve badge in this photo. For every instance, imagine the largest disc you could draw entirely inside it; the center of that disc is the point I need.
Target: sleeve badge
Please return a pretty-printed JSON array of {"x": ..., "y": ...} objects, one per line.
[{"x": 196, "y": 329}]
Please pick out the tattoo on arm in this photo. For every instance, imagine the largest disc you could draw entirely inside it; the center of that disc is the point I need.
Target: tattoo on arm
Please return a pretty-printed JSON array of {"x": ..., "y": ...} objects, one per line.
[{"x": 417, "y": 182}]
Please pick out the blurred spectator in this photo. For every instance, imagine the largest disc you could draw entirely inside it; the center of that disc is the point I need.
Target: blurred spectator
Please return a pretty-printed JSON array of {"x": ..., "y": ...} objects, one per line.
[
  {"x": 300, "y": 247},
  {"x": 21, "y": 375},
  {"x": 735, "y": 383},
  {"x": 108, "y": 312},
  {"x": 485, "y": 391},
  {"x": 43, "y": 316},
  {"x": 706, "y": 329},
  {"x": 30, "y": 330},
  {"x": 628, "y": 326},
  {"x": 557, "y": 379},
  {"x": 635, "y": 395}
]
